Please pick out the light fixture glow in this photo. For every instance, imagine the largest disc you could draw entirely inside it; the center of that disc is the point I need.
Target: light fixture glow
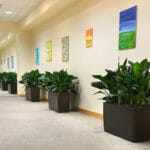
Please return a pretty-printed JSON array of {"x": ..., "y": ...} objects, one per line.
[{"x": 8, "y": 12}]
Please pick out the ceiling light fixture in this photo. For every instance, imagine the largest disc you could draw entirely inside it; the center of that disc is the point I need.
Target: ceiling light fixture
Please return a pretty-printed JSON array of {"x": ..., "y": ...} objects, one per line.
[{"x": 8, "y": 12}]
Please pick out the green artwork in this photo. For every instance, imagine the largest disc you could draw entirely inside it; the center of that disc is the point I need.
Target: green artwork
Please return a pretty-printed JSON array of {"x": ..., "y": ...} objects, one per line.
[{"x": 127, "y": 31}]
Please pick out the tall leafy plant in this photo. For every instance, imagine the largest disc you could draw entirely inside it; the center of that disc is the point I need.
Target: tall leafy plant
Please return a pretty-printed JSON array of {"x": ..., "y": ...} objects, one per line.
[
  {"x": 129, "y": 84},
  {"x": 31, "y": 79},
  {"x": 2, "y": 76},
  {"x": 62, "y": 82},
  {"x": 46, "y": 80},
  {"x": 10, "y": 77}
]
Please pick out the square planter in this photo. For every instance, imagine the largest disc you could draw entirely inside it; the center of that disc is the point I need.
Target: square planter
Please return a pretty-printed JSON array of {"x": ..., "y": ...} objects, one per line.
[
  {"x": 4, "y": 86},
  {"x": 131, "y": 123},
  {"x": 12, "y": 88},
  {"x": 33, "y": 94},
  {"x": 59, "y": 102}
]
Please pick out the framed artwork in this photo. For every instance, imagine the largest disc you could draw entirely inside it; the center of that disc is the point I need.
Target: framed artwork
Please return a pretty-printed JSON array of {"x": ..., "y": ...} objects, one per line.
[
  {"x": 89, "y": 38},
  {"x": 12, "y": 61},
  {"x": 8, "y": 63},
  {"x": 37, "y": 56},
  {"x": 127, "y": 29},
  {"x": 49, "y": 50},
  {"x": 65, "y": 49}
]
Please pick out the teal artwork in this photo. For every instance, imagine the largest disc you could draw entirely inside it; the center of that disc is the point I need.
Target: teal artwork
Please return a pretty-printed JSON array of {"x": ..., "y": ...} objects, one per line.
[
  {"x": 127, "y": 30},
  {"x": 12, "y": 61},
  {"x": 8, "y": 63},
  {"x": 37, "y": 56}
]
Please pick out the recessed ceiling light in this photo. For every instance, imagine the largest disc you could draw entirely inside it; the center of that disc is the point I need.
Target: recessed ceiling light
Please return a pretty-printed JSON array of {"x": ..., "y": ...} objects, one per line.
[{"x": 8, "y": 12}]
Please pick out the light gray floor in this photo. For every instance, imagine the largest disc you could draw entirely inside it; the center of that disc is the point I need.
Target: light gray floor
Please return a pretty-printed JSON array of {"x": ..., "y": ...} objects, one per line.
[
  {"x": 32, "y": 126},
  {"x": 5, "y": 93}
]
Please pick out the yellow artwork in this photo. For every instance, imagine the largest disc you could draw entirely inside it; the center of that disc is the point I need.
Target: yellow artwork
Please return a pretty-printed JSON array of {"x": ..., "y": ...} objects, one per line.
[
  {"x": 89, "y": 38},
  {"x": 49, "y": 50}
]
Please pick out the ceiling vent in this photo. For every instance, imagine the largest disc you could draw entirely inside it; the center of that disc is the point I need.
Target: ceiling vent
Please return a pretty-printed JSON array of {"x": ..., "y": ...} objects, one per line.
[{"x": 1, "y": 5}]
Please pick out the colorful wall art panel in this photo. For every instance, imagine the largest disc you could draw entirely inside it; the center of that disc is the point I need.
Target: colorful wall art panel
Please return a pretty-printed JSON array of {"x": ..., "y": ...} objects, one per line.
[
  {"x": 49, "y": 50},
  {"x": 127, "y": 30},
  {"x": 12, "y": 61},
  {"x": 8, "y": 63},
  {"x": 65, "y": 49},
  {"x": 89, "y": 38},
  {"x": 37, "y": 56}
]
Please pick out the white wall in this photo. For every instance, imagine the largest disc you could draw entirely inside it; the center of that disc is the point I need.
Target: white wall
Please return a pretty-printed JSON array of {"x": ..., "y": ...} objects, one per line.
[
  {"x": 8, "y": 51},
  {"x": 103, "y": 17},
  {"x": 24, "y": 57}
]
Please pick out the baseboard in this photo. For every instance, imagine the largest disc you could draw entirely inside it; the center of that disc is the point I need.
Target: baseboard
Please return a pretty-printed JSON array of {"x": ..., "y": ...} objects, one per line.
[
  {"x": 84, "y": 111},
  {"x": 21, "y": 95},
  {"x": 90, "y": 113}
]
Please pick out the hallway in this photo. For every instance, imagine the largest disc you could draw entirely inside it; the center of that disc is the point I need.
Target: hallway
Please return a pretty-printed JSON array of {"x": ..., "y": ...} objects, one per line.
[{"x": 32, "y": 126}]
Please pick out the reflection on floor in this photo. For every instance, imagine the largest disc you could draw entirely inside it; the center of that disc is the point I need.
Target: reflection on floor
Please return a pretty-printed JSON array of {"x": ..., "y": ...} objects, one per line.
[{"x": 32, "y": 126}]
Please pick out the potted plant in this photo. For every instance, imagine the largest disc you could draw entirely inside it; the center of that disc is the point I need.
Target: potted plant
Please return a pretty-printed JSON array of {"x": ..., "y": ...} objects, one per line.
[
  {"x": 11, "y": 80},
  {"x": 45, "y": 80},
  {"x": 127, "y": 95},
  {"x": 61, "y": 84},
  {"x": 4, "y": 84},
  {"x": 0, "y": 79},
  {"x": 32, "y": 82}
]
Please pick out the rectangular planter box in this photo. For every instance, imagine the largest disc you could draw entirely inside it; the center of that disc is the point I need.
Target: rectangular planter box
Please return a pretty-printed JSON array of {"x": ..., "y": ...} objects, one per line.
[
  {"x": 12, "y": 88},
  {"x": 131, "y": 123},
  {"x": 59, "y": 102},
  {"x": 33, "y": 94},
  {"x": 4, "y": 86}
]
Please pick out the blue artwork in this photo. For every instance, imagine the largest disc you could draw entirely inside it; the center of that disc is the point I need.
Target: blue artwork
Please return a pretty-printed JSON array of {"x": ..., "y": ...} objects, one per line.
[
  {"x": 37, "y": 56},
  {"x": 127, "y": 30},
  {"x": 8, "y": 63},
  {"x": 12, "y": 61}
]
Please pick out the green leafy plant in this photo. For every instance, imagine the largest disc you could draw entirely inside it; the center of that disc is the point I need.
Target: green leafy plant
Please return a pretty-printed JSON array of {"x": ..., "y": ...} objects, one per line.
[
  {"x": 8, "y": 77},
  {"x": 46, "y": 80},
  {"x": 61, "y": 82},
  {"x": 129, "y": 84},
  {"x": 2, "y": 74},
  {"x": 31, "y": 79}
]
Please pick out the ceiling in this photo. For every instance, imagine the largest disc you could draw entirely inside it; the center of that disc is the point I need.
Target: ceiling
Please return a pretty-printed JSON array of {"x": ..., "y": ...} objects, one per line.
[{"x": 20, "y": 9}]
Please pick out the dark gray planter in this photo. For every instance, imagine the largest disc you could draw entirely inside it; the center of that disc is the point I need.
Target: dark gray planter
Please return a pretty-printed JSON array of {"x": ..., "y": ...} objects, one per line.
[
  {"x": 12, "y": 88},
  {"x": 59, "y": 102},
  {"x": 33, "y": 94},
  {"x": 131, "y": 123},
  {"x": 4, "y": 86}
]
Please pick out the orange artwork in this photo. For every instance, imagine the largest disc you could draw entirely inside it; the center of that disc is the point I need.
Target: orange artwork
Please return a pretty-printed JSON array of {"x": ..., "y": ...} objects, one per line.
[{"x": 89, "y": 38}]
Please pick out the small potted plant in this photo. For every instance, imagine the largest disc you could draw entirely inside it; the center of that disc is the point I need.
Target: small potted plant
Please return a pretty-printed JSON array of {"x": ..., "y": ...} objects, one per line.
[
  {"x": 3, "y": 79},
  {"x": 45, "y": 80},
  {"x": 61, "y": 84},
  {"x": 0, "y": 79},
  {"x": 11, "y": 80},
  {"x": 127, "y": 95},
  {"x": 32, "y": 82}
]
